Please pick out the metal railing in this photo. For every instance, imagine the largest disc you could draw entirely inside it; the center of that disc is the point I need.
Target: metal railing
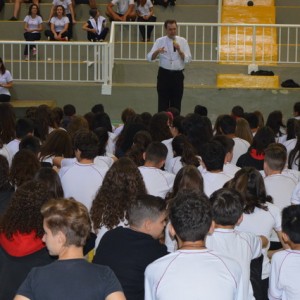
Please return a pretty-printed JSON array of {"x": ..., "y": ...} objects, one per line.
[{"x": 93, "y": 62}]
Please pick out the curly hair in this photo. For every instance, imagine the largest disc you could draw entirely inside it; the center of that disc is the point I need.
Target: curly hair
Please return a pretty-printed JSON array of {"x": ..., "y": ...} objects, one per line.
[
  {"x": 121, "y": 184},
  {"x": 23, "y": 212},
  {"x": 24, "y": 166},
  {"x": 7, "y": 123}
]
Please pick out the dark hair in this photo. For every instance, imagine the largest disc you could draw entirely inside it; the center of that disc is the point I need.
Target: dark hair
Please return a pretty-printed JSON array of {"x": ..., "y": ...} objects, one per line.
[
  {"x": 146, "y": 118},
  {"x": 227, "y": 124},
  {"x": 24, "y": 166},
  {"x": 121, "y": 184},
  {"x": 183, "y": 148},
  {"x": 237, "y": 111},
  {"x": 58, "y": 143},
  {"x": 250, "y": 184},
  {"x": 187, "y": 178},
  {"x": 225, "y": 141},
  {"x": 198, "y": 130},
  {"x": 291, "y": 222},
  {"x": 145, "y": 207},
  {"x": 4, "y": 174},
  {"x": 297, "y": 108},
  {"x": 174, "y": 111},
  {"x": 23, "y": 127},
  {"x": 58, "y": 115},
  {"x": 260, "y": 116},
  {"x": 57, "y": 6},
  {"x": 93, "y": 12},
  {"x": 156, "y": 152},
  {"x": 252, "y": 119},
  {"x": 169, "y": 22},
  {"x": 274, "y": 121},
  {"x": 190, "y": 215},
  {"x": 77, "y": 123},
  {"x": 69, "y": 110},
  {"x": 98, "y": 108},
  {"x": 141, "y": 141},
  {"x": 23, "y": 212},
  {"x": 7, "y": 122},
  {"x": 102, "y": 135},
  {"x": 159, "y": 127},
  {"x": 262, "y": 139},
  {"x": 31, "y": 7},
  {"x": 213, "y": 156},
  {"x": 127, "y": 113},
  {"x": 102, "y": 120},
  {"x": 31, "y": 143},
  {"x": 2, "y": 67},
  {"x": 70, "y": 217},
  {"x": 87, "y": 142},
  {"x": 227, "y": 206},
  {"x": 51, "y": 181},
  {"x": 200, "y": 110},
  {"x": 295, "y": 153},
  {"x": 275, "y": 156},
  {"x": 290, "y": 128},
  {"x": 177, "y": 123}
]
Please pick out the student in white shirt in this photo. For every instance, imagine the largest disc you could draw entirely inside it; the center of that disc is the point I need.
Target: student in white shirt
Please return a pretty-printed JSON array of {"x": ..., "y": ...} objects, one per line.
[
  {"x": 260, "y": 217},
  {"x": 293, "y": 149},
  {"x": 227, "y": 208},
  {"x": 284, "y": 278},
  {"x": 213, "y": 156},
  {"x": 125, "y": 10},
  {"x": 192, "y": 272},
  {"x": 158, "y": 182},
  {"x": 6, "y": 82}
]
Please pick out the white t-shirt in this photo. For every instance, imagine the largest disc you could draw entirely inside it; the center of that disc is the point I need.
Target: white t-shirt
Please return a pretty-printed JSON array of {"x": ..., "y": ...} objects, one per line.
[
  {"x": 111, "y": 143},
  {"x": 284, "y": 277},
  {"x": 214, "y": 181},
  {"x": 281, "y": 188},
  {"x": 82, "y": 181},
  {"x": 103, "y": 161},
  {"x": 122, "y": 5},
  {"x": 118, "y": 130},
  {"x": 230, "y": 169},
  {"x": 158, "y": 182},
  {"x": 59, "y": 24},
  {"x": 64, "y": 3},
  {"x": 241, "y": 246},
  {"x": 5, "y": 152},
  {"x": 240, "y": 147},
  {"x": 13, "y": 147},
  {"x": 174, "y": 165},
  {"x": 193, "y": 275},
  {"x": 145, "y": 10},
  {"x": 5, "y": 78},
  {"x": 290, "y": 145},
  {"x": 33, "y": 23},
  {"x": 170, "y": 154},
  {"x": 262, "y": 222}
]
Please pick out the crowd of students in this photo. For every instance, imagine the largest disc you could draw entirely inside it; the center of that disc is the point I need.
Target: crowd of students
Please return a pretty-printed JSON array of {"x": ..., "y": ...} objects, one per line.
[{"x": 173, "y": 207}]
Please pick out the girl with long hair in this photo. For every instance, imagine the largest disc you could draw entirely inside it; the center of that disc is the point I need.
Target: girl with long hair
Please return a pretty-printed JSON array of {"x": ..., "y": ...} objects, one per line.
[{"x": 6, "y": 82}]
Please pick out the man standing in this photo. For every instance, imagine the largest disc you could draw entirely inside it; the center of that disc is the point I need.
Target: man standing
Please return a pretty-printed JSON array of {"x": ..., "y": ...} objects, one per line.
[{"x": 173, "y": 52}]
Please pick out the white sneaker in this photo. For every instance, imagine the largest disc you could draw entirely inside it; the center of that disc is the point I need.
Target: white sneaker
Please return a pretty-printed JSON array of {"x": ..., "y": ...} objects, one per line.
[{"x": 34, "y": 51}]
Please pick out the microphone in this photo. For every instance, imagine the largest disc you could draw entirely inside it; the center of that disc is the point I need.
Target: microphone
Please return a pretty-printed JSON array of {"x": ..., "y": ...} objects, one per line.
[{"x": 174, "y": 49}]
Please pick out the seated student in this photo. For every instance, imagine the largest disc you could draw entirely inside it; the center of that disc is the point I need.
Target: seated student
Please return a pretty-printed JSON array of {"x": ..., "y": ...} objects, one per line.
[
  {"x": 128, "y": 251},
  {"x": 59, "y": 25},
  {"x": 67, "y": 226},
  {"x": 213, "y": 157},
  {"x": 125, "y": 10},
  {"x": 158, "y": 182},
  {"x": 228, "y": 145},
  {"x": 17, "y": 6},
  {"x": 96, "y": 26},
  {"x": 82, "y": 179},
  {"x": 192, "y": 272},
  {"x": 284, "y": 277},
  {"x": 227, "y": 209}
]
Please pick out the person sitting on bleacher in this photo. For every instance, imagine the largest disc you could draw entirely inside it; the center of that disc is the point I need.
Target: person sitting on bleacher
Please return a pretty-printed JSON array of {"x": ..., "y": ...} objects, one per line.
[
  {"x": 33, "y": 25},
  {"x": 17, "y": 6},
  {"x": 125, "y": 10},
  {"x": 59, "y": 25},
  {"x": 96, "y": 26}
]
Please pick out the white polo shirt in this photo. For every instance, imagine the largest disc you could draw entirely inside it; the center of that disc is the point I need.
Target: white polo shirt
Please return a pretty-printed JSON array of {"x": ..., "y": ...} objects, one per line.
[{"x": 193, "y": 275}]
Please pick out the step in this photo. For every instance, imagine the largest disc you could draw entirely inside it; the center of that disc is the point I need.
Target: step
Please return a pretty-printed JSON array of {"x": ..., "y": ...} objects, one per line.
[
  {"x": 241, "y": 81},
  {"x": 244, "y": 2},
  {"x": 32, "y": 103}
]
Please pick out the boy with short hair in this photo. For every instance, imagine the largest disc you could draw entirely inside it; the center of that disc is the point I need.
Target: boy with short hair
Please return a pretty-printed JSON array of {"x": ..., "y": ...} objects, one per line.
[
  {"x": 227, "y": 209},
  {"x": 192, "y": 272},
  {"x": 284, "y": 277},
  {"x": 158, "y": 182},
  {"x": 67, "y": 226},
  {"x": 128, "y": 251}
]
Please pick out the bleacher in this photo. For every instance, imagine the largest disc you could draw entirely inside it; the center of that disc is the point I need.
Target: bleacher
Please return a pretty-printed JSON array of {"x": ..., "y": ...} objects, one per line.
[{"x": 134, "y": 83}]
